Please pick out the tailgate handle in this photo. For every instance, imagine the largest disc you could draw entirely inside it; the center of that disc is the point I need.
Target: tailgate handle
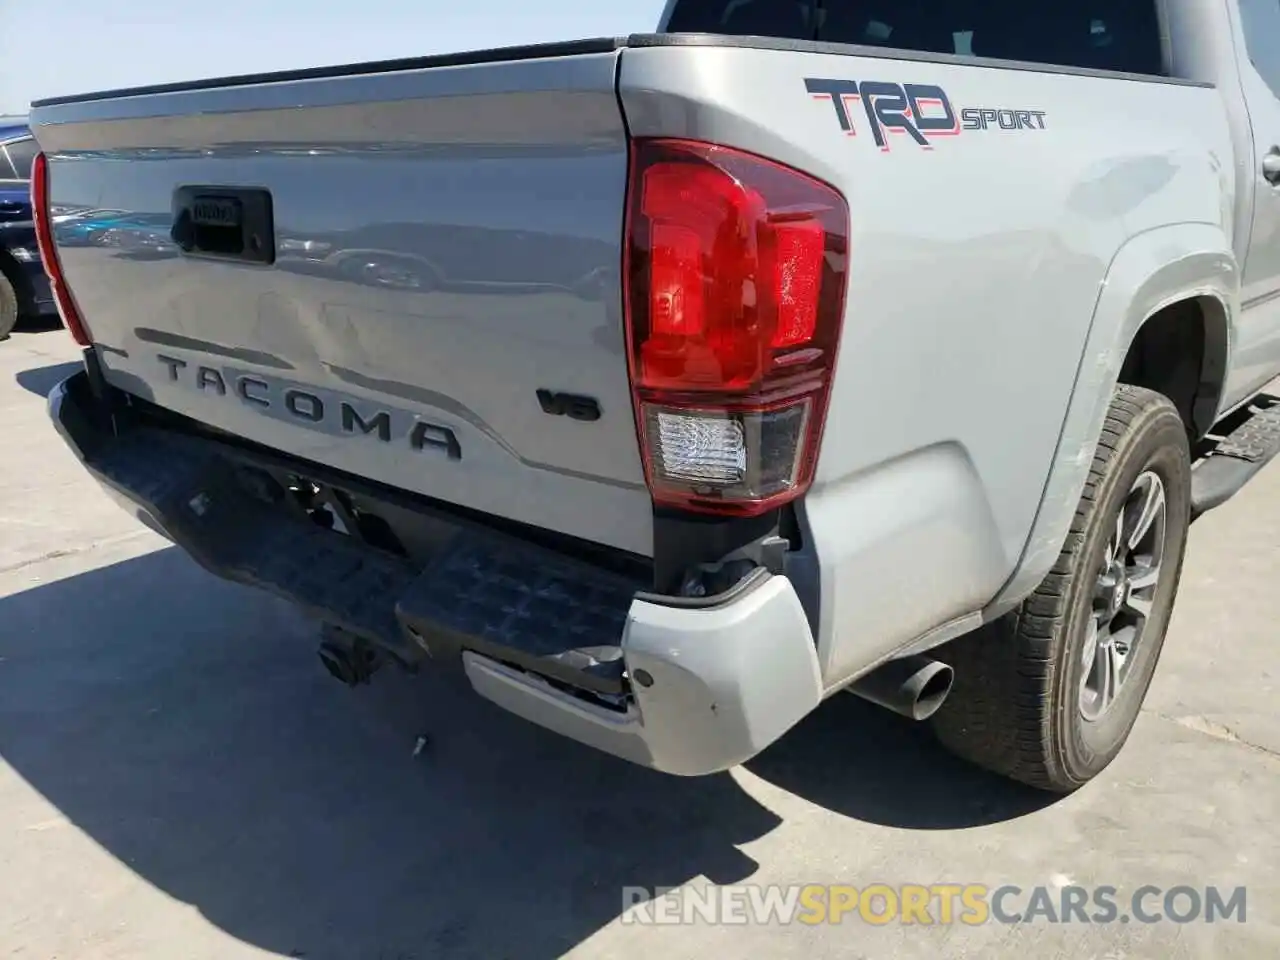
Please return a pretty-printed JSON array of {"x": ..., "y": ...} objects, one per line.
[{"x": 224, "y": 223}]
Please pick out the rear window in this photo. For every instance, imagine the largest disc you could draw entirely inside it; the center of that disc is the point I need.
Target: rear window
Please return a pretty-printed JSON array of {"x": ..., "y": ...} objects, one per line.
[
  {"x": 21, "y": 154},
  {"x": 1094, "y": 34}
]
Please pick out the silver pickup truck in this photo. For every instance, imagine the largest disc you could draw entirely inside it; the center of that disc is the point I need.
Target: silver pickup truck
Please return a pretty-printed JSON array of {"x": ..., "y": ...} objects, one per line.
[{"x": 668, "y": 385}]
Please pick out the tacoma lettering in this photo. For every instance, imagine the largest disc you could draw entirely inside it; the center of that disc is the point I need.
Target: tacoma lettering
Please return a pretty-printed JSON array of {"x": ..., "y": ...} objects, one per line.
[
  {"x": 305, "y": 405},
  {"x": 338, "y": 415},
  {"x": 380, "y": 422},
  {"x": 242, "y": 387},
  {"x": 211, "y": 379}
]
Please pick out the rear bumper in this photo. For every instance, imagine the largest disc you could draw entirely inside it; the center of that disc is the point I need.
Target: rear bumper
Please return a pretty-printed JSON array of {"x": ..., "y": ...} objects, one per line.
[{"x": 575, "y": 648}]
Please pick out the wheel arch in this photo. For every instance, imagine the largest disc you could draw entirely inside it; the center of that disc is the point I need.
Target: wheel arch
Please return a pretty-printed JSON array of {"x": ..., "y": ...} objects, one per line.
[
  {"x": 1181, "y": 350},
  {"x": 18, "y": 279},
  {"x": 1156, "y": 275}
]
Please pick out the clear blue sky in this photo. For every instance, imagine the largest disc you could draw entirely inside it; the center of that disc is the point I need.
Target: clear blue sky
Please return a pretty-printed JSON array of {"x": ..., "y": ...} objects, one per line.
[{"x": 54, "y": 47}]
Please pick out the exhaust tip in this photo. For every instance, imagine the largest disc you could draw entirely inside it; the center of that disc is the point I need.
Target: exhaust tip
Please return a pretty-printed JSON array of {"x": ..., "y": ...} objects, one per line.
[
  {"x": 913, "y": 687},
  {"x": 933, "y": 692}
]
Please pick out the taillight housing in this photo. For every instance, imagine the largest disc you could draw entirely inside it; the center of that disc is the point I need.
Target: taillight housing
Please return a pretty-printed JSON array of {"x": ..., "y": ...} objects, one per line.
[
  {"x": 66, "y": 303},
  {"x": 735, "y": 284}
]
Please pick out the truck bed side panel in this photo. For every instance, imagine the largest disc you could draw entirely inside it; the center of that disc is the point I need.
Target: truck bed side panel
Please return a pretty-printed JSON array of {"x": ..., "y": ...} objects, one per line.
[
  {"x": 447, "y": 245},
  {"x": 976, "y": 262}
]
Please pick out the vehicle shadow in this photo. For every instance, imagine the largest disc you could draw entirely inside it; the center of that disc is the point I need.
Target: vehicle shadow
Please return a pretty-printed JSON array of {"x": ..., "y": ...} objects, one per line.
[
  {"x": 185, "y": 726},
  {"x": 38, "y": 324},
  {"x": 864, "y": 762},
  {"x": 41, "y": 380}
]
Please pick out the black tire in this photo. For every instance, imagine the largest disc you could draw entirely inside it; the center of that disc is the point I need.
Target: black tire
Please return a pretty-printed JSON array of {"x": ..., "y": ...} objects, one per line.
[
  {"x": 8, "y": 307},
  {"x": 1017, "y": 706}
]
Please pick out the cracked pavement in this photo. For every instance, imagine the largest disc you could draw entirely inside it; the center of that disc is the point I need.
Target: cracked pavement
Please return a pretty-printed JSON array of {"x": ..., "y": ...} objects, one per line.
[{"x": 180, "y": 779}]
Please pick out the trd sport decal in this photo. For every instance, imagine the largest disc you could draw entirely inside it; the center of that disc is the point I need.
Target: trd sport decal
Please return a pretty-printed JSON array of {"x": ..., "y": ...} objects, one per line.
[{"x": 920, "y": 111}]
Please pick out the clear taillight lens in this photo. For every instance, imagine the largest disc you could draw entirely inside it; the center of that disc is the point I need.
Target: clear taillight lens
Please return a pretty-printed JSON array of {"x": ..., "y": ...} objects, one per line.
[
  {"x": 745, "y": 456},
  {"x": 735, "y": 276}
]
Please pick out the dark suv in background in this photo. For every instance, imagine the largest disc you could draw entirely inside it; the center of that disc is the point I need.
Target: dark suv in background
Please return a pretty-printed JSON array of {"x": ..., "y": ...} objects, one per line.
[{"x": 24, "y": 289}]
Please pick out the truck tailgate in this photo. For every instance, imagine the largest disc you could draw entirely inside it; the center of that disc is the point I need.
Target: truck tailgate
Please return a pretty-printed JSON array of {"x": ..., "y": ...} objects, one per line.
[{"x": 439, "y": 308}]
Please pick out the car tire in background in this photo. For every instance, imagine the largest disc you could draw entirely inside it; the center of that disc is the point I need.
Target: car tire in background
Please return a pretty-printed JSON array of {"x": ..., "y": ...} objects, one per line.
[
  {"x": 1049, "y": 693},
  {"x": 8, "y": 307}
]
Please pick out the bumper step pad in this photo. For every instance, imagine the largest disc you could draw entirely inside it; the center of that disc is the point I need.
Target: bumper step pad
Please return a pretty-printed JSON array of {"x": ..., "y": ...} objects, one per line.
[{"x": 526, "y": 606}]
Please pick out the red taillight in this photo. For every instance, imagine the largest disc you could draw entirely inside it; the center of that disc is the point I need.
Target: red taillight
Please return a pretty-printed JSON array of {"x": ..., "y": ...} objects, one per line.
[
  {"x": 735, "y": 281},
  {"x": 49, "y": 254}
]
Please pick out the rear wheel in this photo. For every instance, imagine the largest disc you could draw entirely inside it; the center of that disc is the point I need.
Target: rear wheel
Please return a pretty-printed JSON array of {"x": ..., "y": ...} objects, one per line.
[
  {"x": 8, "y": 307},
  {"x": 1049, "y": 694}
]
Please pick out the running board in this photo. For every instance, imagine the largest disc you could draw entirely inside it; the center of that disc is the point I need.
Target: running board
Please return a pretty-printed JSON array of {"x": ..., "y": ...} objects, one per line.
[{"x": 1252, "y": 441}]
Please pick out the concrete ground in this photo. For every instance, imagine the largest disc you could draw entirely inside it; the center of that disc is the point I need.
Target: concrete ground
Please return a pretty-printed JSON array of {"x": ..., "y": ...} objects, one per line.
[{"x": 179, "y": 778}]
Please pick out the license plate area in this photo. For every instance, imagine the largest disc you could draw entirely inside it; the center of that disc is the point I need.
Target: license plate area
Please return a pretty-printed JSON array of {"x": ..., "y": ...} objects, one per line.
[{"x": 224, "y": 223}]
